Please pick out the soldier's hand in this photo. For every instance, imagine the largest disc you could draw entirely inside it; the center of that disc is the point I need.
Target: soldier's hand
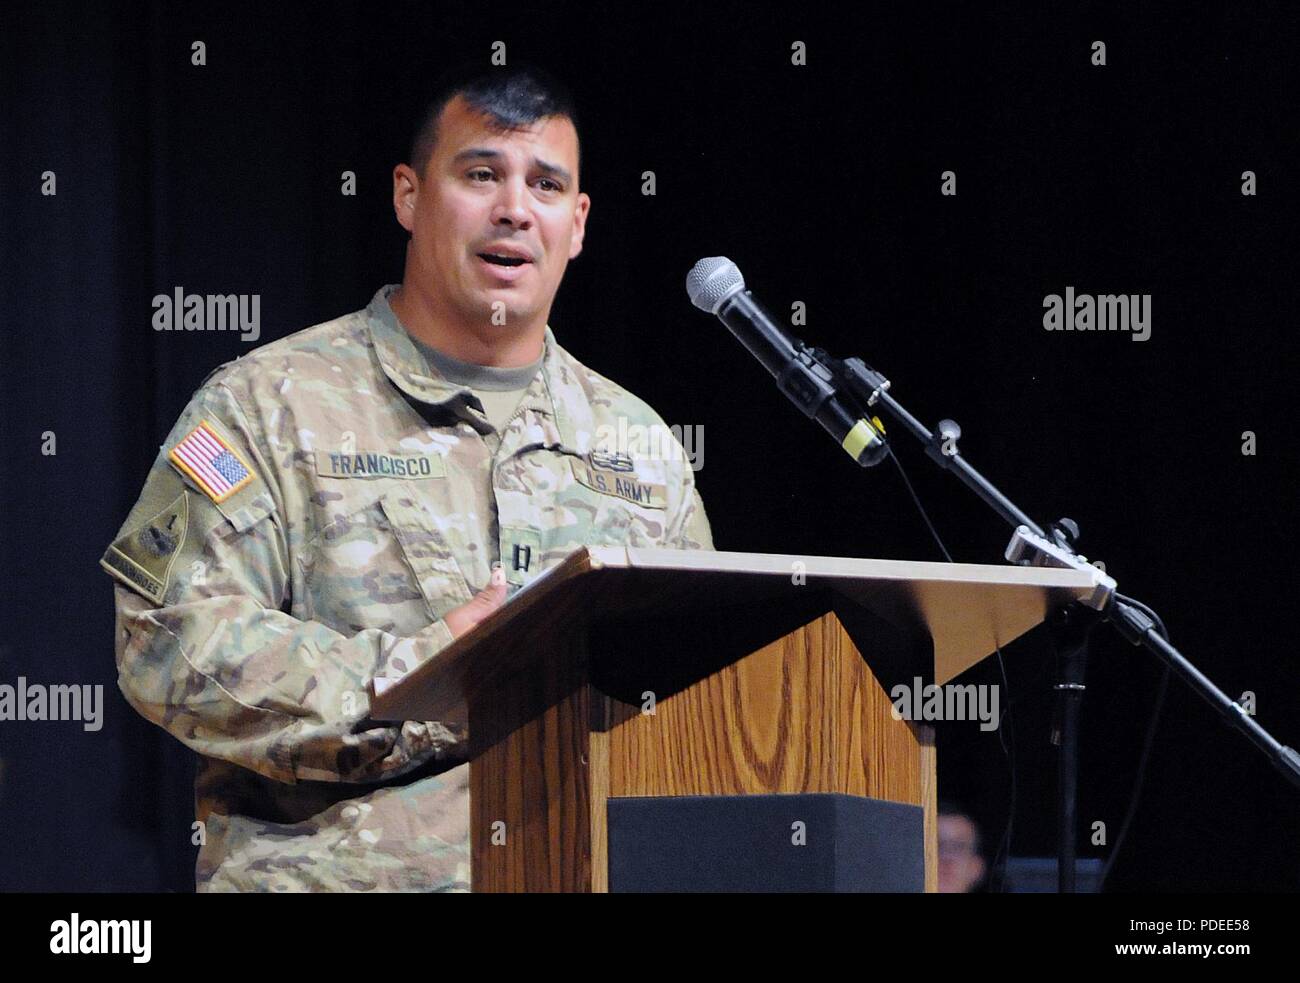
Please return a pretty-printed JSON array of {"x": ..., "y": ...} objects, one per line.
[{"x": 469, "y": 614}]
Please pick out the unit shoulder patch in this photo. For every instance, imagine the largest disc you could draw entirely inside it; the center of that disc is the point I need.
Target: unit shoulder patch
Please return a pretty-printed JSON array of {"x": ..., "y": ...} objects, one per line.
[{"x": 143, "y": 559}]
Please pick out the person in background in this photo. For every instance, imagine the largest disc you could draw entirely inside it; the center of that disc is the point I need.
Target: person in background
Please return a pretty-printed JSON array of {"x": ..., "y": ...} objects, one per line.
[{"x": 961, "y": 861}]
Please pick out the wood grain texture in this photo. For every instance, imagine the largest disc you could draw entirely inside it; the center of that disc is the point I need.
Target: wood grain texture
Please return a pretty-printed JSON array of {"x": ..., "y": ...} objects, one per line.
[
  {"x": 801, "y": 714},
  {"x": 930, "y": 801},
  {"x": 602, "y": 709},
  {"x": 536, "y": 781}
]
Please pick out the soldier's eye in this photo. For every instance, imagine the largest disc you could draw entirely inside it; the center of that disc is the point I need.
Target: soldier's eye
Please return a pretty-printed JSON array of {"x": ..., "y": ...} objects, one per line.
[{"x": 474, "y": 175}]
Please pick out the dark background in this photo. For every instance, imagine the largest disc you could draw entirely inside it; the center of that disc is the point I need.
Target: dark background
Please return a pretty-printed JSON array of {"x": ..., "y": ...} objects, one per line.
[{"x": 822, "y": 182}]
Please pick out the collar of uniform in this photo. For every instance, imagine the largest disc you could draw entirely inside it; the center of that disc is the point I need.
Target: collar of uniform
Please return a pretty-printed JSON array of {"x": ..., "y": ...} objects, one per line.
[
  {"x": 550, "y": 393},
  {"x": 399, "y": 358}
]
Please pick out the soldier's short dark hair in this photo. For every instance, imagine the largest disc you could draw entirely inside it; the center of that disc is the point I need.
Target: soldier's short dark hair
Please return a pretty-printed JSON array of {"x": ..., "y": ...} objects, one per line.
[{"x": 513, "y": 97}]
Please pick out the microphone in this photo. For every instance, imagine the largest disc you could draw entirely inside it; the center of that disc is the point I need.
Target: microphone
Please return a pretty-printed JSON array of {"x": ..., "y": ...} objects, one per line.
[{"x": 716, "y": 286}]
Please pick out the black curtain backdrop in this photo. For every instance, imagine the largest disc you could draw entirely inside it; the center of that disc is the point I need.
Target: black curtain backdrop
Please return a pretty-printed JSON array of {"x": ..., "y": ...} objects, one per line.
[{"x": 823, "y": 183}]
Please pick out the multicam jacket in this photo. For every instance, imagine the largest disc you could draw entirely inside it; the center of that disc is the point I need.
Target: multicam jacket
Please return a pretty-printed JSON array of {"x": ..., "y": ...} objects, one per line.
[{"x": 319, "y": 507}]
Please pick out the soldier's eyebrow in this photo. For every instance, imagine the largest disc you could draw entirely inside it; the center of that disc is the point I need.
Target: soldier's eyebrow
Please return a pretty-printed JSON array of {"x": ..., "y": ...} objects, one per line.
[{"x": 486, "y": 153}]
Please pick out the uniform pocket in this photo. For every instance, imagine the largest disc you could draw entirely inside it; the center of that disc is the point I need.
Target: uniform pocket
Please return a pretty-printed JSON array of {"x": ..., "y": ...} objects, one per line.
[
  {"x": 426, "y": 552},
  {"x": 382, "y": 565}
]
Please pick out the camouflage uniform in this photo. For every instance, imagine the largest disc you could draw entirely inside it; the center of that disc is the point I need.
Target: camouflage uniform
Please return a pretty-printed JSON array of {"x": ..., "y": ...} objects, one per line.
[{"x": 354, "y": 498}]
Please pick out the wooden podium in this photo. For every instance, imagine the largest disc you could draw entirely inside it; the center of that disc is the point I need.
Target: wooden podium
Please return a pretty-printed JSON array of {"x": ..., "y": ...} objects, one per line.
[{"x": 650, "y": 672}]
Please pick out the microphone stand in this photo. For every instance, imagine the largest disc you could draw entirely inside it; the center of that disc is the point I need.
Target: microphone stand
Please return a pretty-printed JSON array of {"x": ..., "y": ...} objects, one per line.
[
  {"x": 1070, "y": 627},
  {"x": 1071, "y": 623}
]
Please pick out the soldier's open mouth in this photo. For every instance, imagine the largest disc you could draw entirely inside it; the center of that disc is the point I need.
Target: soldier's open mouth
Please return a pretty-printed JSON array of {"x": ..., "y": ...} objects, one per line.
[{"x": 502, "y": 260}]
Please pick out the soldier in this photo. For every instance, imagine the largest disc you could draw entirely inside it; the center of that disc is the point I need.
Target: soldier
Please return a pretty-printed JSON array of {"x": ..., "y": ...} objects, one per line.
[{"x": 330, "y": 509}]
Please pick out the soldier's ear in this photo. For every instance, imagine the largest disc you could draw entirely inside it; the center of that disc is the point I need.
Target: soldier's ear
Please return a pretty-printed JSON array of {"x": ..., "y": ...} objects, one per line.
[
  {"x": 406, "y": 191},
  {"x": 579, "y": 224}
]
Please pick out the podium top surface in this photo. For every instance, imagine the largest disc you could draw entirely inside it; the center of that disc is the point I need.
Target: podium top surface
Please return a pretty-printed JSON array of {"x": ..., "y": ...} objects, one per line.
[
  {"x": 966, "y": 610},
  {"x": 839, "y": 567}
]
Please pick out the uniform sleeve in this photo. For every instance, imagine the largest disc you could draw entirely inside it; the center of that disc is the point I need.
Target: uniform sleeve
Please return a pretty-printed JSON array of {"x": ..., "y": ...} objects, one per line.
[
  {"x": 205, "y": 648},
  {"x": 695, "y": 533},
  {"x": 688, "y": 528}
]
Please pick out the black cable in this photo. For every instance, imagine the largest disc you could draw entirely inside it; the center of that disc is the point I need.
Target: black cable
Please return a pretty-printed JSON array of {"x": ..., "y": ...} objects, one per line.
[
  {"x": 1003, "y": 856},
  {"x": 920, "y": 508},
  {"x": 997, "y": 878},
  {"x": 1149, "y": 612},
  {"x": 1147, "y": 744},
  {"x": 1007, "y": 736}
]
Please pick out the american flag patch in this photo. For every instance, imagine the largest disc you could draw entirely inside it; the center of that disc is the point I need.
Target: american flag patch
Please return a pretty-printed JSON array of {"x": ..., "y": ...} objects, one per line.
[{"x": 211, "y": 462}]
